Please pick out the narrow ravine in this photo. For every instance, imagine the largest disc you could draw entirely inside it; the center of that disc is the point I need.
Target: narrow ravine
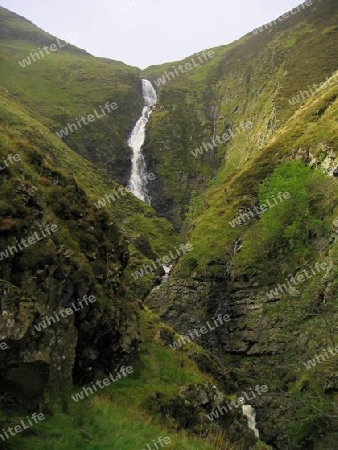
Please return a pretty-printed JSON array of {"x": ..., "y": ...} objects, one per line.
[{"x": 138, "y": 180}]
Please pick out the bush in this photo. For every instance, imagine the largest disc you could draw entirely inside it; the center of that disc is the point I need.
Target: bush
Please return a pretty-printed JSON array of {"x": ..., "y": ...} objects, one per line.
[{"x": 290, "y": 224}]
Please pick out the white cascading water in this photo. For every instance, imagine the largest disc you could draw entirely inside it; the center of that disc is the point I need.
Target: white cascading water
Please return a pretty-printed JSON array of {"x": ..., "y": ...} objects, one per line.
[
  {"x": 138, "y": 179},
  {"x": 167, "y": 268},
  {"x": 249, "y": 413}
]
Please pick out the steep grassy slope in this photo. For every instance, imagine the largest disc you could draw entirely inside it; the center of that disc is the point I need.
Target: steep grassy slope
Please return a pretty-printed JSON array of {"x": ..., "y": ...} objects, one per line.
[
  {"x": 68, "y": 84},
  {"x": 309, "y": 136},
  {"x": 240, "y": 270},
  {"x": 65, "y": 85},
  {"x": 249, "y": 80}
]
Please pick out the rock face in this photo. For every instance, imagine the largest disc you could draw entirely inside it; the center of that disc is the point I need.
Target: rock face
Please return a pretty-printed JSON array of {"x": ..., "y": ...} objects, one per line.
[
  {"x": 32, "y": 359},
  {"x": 188, "y": 304},
  {"x": 191, "y": 304},
  {"x": 51, "y": 335},
  {"x": 97, "y": 337}
]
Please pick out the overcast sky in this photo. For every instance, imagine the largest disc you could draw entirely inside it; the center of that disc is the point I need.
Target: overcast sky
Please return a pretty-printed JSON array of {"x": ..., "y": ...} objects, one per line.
[{"x": 151, "y": 31}]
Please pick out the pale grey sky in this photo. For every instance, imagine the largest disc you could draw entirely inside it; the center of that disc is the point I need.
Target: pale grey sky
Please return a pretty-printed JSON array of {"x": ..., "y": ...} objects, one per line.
[{"x": 149, "y": 31}]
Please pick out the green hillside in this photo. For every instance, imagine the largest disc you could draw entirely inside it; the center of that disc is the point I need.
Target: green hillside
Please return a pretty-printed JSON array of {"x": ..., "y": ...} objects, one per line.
[
  {"x": 244, "y": 152},
  {"x": 68, "y": 84},
  {"x": 251, "y": 80}
]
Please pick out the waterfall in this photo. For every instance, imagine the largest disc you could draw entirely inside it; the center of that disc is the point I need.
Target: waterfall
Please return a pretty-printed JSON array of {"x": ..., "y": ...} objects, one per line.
[
  {"x": 249, "y": 413},
  {"x": 167, "y": 268},
  {"x": 138, "y": 180}
]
